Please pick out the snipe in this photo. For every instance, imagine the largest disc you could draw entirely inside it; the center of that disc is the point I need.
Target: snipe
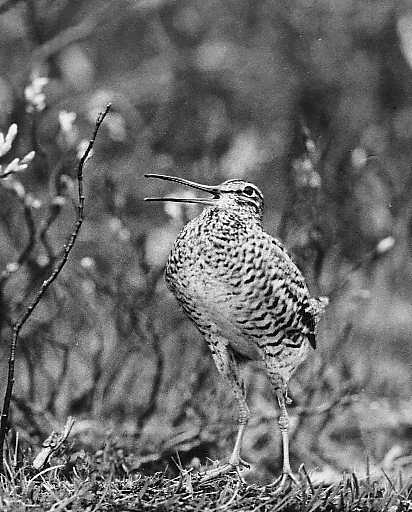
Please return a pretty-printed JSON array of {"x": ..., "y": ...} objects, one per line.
[{"x": 245, "y": 295}]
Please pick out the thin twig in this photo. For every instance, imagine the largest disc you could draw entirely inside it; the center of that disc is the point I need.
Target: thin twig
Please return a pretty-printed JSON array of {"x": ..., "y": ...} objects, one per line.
[{"x": 17, "y": 326}]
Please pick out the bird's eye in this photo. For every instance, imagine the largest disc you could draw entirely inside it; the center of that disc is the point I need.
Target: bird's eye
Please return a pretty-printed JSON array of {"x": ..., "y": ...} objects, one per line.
[{"x": 248, "y": 191}]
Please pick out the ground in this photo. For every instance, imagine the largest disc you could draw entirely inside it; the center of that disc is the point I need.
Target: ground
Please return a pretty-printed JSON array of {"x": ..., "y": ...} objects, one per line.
[{"x": 86, "y": 484}]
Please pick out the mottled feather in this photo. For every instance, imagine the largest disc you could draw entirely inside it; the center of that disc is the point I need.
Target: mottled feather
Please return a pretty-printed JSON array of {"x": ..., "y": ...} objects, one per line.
[{"x": 232, "y": 277}]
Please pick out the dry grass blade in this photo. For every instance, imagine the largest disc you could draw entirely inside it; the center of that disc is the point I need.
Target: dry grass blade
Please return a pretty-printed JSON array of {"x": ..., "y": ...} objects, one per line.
[{"x": 52, "y": 444}]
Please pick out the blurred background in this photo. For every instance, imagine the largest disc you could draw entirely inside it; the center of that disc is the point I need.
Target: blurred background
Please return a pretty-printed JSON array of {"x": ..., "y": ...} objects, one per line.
[{"x": 312, "y": 101}]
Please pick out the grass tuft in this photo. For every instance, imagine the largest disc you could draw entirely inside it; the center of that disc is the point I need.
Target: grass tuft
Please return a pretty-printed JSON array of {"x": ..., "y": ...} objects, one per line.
[{"x": 91, "y": 482}]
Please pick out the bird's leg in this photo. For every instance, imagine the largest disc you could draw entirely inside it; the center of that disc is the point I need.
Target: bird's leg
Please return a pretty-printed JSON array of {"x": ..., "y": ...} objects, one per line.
[
  {"x": 228, "y": 368},
  {"x": 235, "y": 459},
  {"x": 287, "y": 476}
]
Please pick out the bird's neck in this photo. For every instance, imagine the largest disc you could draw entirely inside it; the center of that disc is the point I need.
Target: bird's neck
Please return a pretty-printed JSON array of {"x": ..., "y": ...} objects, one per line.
[{"x": 245, "y": 215}]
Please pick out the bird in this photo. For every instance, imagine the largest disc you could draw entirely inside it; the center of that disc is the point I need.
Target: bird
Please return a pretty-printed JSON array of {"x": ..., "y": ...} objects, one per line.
[{"x": 245, "y": 295}]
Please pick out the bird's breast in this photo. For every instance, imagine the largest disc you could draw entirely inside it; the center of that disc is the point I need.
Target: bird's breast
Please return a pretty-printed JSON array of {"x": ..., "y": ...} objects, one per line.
[{"x": 237, "y": 282}]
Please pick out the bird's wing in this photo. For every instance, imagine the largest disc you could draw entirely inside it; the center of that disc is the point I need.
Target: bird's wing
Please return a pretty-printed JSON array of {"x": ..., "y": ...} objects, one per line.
[{"x": 272, "y": 301}]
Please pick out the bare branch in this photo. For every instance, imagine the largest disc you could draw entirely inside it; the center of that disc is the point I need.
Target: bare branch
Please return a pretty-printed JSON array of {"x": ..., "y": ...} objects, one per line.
[{"x": 17, "y": 326}]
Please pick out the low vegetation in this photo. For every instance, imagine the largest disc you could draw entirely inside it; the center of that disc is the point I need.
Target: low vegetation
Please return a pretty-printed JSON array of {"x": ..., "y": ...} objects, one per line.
[{"x": 78, "y": 481}]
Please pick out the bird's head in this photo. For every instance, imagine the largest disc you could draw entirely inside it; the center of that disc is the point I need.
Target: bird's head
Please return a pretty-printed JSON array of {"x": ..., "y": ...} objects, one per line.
[{"x": 235, "y": 195}]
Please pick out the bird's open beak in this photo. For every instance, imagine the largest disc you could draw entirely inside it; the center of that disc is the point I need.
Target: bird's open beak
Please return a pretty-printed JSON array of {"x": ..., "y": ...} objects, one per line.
[{"x": 200, "y": 200}]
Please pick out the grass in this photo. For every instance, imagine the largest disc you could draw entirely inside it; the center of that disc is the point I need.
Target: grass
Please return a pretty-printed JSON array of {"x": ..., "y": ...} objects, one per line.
[{"x": 85, "y": 482}]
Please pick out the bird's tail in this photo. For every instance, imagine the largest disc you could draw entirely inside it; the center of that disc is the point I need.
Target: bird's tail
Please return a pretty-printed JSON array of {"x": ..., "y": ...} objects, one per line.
[
  {"x": 317, "y": 306},
  {"x": 311, "y": 316}
]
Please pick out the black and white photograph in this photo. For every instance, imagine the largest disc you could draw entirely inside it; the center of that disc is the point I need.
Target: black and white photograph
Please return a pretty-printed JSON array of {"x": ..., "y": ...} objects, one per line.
[{"x": 205, "y": 255}]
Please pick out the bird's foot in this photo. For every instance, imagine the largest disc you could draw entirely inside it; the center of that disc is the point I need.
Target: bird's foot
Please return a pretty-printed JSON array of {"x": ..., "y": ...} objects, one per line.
[
  {"x": 224, "y": 469},
  {"x": 284, "y": 482},
  {"x": 239, "y": 463}
]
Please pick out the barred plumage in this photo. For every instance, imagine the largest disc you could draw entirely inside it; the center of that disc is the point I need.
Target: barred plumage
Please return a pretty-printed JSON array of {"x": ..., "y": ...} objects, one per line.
[{"x": 243, "y": 292}]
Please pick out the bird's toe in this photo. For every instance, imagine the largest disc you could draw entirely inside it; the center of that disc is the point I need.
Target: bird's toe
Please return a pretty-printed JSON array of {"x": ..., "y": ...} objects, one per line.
[{"x": 284, "y": 482}]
